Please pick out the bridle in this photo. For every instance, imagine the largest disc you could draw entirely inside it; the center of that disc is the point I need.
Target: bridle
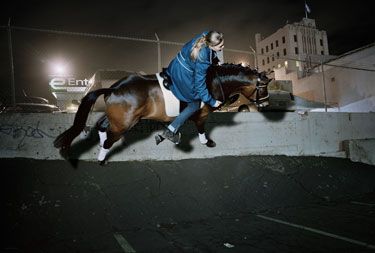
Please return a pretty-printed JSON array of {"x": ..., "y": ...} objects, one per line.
[{"x": 258, "y": 100}]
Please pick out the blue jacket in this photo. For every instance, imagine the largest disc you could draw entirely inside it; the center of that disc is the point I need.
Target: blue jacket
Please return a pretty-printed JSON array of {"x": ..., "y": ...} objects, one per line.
[{"x": 188, "y": 76}]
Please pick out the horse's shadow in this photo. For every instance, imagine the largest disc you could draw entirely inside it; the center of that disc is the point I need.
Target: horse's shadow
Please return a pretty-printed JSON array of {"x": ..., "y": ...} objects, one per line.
[
  {"x": 144, "y": 129},
  {"x": 80, "y": 146},
  {"x": 188, "y": 132}
]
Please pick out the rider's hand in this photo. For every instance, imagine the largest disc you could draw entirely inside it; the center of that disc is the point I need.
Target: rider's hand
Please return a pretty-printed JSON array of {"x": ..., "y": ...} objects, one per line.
[{"x": 217, "y": 103}]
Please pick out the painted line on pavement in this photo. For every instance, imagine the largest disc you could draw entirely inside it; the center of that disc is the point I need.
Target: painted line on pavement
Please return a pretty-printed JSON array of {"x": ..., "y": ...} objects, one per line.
[
  {"x": 361, "y": 203},
  {"x": 319, "y": 232},
  {"x": 123, "y": 243}
]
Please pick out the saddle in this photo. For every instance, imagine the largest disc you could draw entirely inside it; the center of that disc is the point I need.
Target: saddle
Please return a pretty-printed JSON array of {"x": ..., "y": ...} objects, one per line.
[{"x": 167, "y": 82}]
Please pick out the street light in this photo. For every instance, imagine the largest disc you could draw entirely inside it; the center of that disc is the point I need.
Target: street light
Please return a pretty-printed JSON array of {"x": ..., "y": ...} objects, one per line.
[{"x": 58, "y": 68}]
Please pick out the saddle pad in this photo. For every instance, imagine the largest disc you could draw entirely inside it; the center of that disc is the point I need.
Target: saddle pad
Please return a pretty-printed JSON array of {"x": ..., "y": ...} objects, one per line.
[{"x": 172, "y": 104}]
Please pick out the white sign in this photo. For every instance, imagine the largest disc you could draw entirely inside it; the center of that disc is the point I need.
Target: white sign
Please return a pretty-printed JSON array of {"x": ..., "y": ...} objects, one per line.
[{"x": 68, "y": 84}]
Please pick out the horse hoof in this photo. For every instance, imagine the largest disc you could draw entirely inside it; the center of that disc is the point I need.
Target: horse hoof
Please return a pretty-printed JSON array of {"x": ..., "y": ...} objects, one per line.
[
  {"x": 210, "y": 143},
  {"x": 102, "y": 163},
  {"x": 159, "y": 139},
  {"x": 65, "y": 147}
]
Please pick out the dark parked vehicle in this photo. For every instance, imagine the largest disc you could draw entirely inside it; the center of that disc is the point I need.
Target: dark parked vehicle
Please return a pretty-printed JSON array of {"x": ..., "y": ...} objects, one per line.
[{"x": 30, "y": 108}]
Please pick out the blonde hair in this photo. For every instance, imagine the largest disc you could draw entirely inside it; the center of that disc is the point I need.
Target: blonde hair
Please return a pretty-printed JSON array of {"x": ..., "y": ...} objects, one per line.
[{"x": 212, "y": 38}]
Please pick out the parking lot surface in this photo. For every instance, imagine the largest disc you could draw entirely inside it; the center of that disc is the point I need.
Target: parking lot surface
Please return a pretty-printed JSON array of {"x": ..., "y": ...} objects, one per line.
[{"x": 223, "y": 204}]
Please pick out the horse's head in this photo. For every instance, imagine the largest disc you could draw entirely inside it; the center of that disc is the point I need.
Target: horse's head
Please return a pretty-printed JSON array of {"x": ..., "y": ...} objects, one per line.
[
  {"x": 226, "y": 79},
  {"x": 261, "y": 95}
]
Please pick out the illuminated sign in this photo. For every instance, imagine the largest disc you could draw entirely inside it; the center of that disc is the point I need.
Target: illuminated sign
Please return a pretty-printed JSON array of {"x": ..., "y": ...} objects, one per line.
[{"x": 68, "y": 84}]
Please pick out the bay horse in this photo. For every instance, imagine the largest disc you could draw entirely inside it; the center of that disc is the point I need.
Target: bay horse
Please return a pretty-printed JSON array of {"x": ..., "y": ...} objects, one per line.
[{"x": 139, "y": 97}]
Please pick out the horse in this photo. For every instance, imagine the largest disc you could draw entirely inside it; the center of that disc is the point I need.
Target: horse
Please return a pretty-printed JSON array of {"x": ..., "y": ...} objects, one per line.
[{"x": 137, "y": 97}]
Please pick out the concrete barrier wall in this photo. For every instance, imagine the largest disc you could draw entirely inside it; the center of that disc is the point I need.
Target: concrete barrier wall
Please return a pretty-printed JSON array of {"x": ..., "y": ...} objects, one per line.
[{"x": 292, "y": 134}]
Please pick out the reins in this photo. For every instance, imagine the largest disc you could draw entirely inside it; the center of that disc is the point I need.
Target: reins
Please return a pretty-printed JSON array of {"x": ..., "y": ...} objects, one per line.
[{"x": 221, "y": 86}]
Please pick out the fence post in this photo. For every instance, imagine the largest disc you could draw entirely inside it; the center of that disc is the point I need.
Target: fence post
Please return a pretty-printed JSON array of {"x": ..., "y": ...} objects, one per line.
[
  {"x": 13, "y": 91},
  {"x": 159, "y": 52},
  {"x": 255, "y": 56},
  {"x": 324, "y": 86}
]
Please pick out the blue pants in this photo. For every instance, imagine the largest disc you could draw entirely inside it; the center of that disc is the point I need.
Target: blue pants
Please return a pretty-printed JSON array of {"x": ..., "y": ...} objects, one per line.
[{"x": 191, "y": 108}]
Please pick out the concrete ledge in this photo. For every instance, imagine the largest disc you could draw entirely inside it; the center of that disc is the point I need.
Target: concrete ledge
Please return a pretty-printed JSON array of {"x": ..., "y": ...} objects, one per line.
[
  {"x": 361, "y": 151},
  {"x": 292, "y": 134}
]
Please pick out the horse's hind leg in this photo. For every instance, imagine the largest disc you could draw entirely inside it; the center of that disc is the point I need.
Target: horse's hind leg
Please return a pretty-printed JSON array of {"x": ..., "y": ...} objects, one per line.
[
  {"x": 111, "y": 138},
  {"x": 102, "y": 125},
  {"x": 117, "y": 127}
]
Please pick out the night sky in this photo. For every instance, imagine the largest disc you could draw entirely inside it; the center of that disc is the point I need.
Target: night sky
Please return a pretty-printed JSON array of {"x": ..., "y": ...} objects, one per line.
[{"x": 349, "y": 25}]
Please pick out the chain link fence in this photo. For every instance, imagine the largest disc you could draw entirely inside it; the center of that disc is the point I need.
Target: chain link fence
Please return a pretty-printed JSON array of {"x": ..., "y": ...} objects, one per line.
[
  {"x": 59, "y": 65},
  {"x": 52, "y": 64}
]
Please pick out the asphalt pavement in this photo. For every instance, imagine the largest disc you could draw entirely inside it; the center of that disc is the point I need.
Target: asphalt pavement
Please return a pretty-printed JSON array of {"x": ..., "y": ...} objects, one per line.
[{"x": 223, "y": 204}]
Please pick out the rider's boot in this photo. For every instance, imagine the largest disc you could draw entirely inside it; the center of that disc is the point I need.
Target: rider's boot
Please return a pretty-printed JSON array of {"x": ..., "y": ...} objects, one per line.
[
  {"x": 168, "y": 134},
  {"x": 173, "y": 137}
]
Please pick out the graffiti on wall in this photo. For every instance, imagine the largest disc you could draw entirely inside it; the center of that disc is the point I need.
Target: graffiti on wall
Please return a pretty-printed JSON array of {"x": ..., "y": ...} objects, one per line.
[{"x": 21, "y": 133}]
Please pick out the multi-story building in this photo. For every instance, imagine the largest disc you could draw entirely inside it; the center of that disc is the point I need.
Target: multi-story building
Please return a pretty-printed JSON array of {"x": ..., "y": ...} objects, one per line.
[{"x": 295, "y": 47}]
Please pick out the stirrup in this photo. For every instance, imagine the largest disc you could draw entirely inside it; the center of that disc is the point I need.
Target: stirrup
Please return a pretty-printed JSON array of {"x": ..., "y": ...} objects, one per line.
[
  {"x": 173, "y": 137},
  {"x": 168, "y": 134},
  {"x": 159, "y": 139}
]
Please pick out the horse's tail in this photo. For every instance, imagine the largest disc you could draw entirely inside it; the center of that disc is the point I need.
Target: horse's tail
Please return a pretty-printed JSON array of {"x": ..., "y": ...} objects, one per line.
[{"x": 65, "y": 139}]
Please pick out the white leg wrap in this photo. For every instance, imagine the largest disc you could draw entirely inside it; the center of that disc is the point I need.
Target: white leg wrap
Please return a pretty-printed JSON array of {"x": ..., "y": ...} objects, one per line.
[
  {"x": 102, "y": 154},
  {"x": 202, "y": 138},
  {"x": 102, "y": 138}
]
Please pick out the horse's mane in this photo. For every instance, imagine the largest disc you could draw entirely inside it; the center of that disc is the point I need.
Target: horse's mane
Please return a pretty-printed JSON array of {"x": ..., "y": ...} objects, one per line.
[
  {"x": 230, "y": 69},
  {"x": 228, "y": 77},
  {"x": 229, "y": 72}
]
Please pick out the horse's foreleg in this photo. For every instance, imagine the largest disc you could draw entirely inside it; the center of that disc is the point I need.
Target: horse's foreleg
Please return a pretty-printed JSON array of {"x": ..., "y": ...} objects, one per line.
[
  {"x": 199, "y": 120},
  {"x": 201, "y": 132},
  {"x": 203, "y": 138}
]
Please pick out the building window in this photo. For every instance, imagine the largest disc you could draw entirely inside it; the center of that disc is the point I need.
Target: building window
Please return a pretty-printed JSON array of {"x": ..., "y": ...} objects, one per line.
[
  {"x": 284, "y": 51},
  {"x": 283, "y": 39},
  {"x": 322, "y": 52},
  {"x": 266, "y": 49},
  {"x": 296, "y": 50},
  {"x": 263, "y": 62},
  {"x": 262, "y": 50},
  {"x": 273, "y": 58},
  {"x": 321, "y": 42},
  {"x": 295, "y": 38},
  {"x": 277, "y": 43},
  {"x": 271, "y": 46},
  {"x": 268, "y": 60},
  {"x": 278, "y": 54}
]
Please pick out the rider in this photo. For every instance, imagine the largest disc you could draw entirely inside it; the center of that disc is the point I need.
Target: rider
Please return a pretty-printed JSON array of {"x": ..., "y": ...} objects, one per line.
[{"x": 188, "y": 75}]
